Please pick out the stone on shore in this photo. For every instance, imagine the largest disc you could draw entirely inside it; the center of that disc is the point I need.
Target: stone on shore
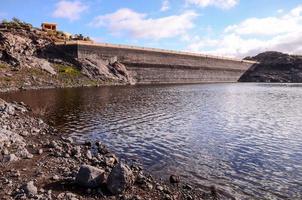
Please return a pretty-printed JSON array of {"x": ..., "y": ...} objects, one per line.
[
  {"x": 174, "y": 179},
  {"x": 25, "y": 154},
  {"x": 120, "y": 178},
  {"x": 90, "y": 177},
  {"x": 10, "y": 158},
  {"x": 30, "y": 189}
]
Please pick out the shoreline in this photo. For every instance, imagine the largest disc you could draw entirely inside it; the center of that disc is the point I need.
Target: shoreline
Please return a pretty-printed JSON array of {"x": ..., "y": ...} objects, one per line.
[{"x": 38, "y": 162}]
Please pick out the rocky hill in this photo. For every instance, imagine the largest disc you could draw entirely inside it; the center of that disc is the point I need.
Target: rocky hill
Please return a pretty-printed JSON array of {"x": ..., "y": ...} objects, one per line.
[
  {"x": 274, "y": 67},
  {"x": 30, "y": 59}
]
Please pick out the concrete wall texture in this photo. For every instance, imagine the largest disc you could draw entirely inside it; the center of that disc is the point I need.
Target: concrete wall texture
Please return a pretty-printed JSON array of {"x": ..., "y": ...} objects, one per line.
[{"x": 149, "y": 66}]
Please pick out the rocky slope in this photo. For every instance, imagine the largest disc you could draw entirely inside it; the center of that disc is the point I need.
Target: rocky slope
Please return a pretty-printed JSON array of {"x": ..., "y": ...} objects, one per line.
[
  {"x": 274, "y": 67},
  {"x": 37, "y": 162},
  {"x": 29, "y": 59}
]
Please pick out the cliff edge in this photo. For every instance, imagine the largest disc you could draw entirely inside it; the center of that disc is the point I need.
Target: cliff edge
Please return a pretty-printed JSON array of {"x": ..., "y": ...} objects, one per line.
[{"x": 274, "y": 67}]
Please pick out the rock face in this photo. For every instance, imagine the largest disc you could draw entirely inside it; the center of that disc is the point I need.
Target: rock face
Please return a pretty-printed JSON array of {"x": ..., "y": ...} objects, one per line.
[
  {"x": 33, "y": 49},
  {"x": 120, "y": 178},
  {"x": 274, "y": 67},
  {"x": 90, "y": 177},
  {"x": 21, "y": 49}
]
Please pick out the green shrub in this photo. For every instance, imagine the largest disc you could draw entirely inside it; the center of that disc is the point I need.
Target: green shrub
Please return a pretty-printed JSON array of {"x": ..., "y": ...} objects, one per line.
[{"x": 68, "y": 70}]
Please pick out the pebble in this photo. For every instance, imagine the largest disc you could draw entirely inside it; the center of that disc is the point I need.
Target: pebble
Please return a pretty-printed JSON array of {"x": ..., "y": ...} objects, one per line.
[
  {"x": 40, "y": 151},
  {"x": 55, "y": 178},
  {"x": 159, "y": 187}
]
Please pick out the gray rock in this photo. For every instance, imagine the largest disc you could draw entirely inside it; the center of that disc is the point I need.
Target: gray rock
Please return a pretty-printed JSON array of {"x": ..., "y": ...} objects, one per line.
[
  {"x": 120, "y": 178},
  {"x": 76, "y": 152},
  {"x": 89, "y": 154},
  {"x": 40, "y": 151},
  {"x": 159, "y": 187},
  {"x": 67, "y": 196},
  {"x": 29, "y": 188},
  {"x": 55, "y": 178},
  {"x": 10, "y": 158},
  {"x": 111, "y": 160},
  {"x": 25, "y": 154},
  {"x": 91, "y": 177},
  {"x": 45, "y": 65}
]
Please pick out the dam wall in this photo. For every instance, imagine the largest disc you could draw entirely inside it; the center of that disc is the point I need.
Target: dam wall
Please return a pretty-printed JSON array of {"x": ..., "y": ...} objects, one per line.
[{"x": 152, "y": 66}]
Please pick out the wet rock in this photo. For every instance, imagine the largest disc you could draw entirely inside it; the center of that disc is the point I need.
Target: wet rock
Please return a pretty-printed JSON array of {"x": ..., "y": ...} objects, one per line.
[
  {"x": 91, "y": 177},
  {"x": 29, "y": 188},
  {"x": 88, "y": 143},
  {"x": 188, "y": 187},
  {"x": 53, "y": 144},
  {"x": 76, "y": 152},
  {"x": 174, "y": 179},
  {"x": 89, "y": 154},
  {"x": 110, "y": 160},
  {"x": 214, "y": 191},
  {"x": 120, "y": 178},
  {"x": 102, "y": 149},
  {"x": 69, "y": 140}
]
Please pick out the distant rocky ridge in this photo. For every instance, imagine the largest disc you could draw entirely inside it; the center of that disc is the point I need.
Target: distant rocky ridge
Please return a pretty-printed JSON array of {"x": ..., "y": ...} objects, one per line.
[
  {"x": 274, "y": 67},
  {"x": 29, "y": 58}
]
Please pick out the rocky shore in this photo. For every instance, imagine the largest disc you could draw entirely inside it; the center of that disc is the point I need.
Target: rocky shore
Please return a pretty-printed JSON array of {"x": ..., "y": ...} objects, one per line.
[
  {"x": 37, "y": 162},
  {"x": 274, "y": 67}
]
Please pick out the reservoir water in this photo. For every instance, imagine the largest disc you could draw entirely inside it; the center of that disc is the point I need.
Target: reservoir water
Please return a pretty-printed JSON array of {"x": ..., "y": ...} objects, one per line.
[{"x": 243, "y": 138}]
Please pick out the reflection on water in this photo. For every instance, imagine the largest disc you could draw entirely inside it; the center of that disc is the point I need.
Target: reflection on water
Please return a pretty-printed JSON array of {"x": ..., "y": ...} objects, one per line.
[{"x": 244, "y": 138}]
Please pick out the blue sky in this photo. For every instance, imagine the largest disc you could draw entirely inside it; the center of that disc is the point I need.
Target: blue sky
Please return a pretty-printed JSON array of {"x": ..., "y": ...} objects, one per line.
[{"x": 235, "y": 28}]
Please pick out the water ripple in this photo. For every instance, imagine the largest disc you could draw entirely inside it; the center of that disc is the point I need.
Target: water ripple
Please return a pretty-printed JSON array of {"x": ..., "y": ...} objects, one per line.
[{"x": 244, "y": 138}]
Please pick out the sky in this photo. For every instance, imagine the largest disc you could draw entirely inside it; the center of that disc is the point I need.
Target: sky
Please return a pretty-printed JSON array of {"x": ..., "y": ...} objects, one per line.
[{"x": 234, "y": 28}]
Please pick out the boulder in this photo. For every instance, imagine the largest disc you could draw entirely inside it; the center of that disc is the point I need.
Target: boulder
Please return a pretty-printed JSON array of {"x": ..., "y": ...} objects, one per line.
[
  {"x": 174, "y": 179},
  {"x": 24, "y": 154},
  {"x": 30, "y": 189},
  {"x": 120, "y": 178},
  {"x": 90, "y": 177},
  {"x": 10, "y": 158}
]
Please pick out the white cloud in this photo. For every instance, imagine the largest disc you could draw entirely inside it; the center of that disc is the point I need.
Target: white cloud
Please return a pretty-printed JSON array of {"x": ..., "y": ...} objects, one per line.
[
  {"x": 139, "y": 25},
  {"x": 224, "y": 4},
  {"x": 290, "y": 22},
  {"x": 165, "y": 5},
  {"x": 255, "y": 35},
  {"x": 71, "y": 10}
]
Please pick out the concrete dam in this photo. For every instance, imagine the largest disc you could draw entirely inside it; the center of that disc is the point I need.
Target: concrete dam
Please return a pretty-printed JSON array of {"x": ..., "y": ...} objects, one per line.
[{"x": 158, "y": 66}]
